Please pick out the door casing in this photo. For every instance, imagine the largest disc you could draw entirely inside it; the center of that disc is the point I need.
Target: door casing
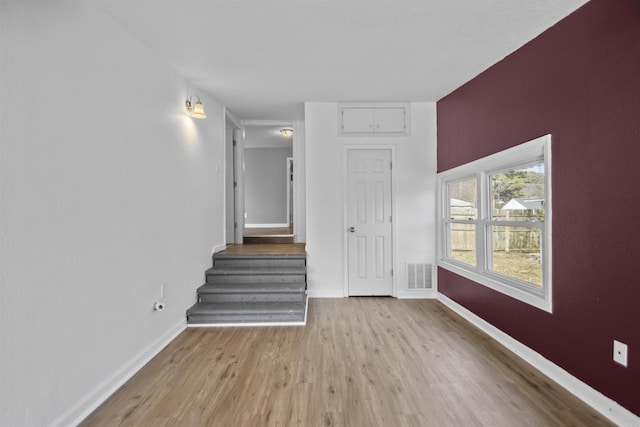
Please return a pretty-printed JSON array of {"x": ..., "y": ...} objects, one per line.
[
  {"x": 290, "y": 194},
  {"x": 233, "y": 124}
]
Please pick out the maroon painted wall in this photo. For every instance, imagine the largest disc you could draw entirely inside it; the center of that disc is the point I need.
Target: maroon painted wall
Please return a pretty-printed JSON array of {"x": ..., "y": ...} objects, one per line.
[{"x": 580, "y": 82}]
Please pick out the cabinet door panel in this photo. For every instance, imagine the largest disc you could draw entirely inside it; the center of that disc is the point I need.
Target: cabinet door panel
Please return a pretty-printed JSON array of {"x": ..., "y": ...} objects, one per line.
[
  {"x": 389, "y": 120},
  {"x": 357, "y": 120}
]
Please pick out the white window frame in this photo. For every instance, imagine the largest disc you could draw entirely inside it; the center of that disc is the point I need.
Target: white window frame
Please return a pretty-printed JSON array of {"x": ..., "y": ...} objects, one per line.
[{"x": 534, "y": 151}]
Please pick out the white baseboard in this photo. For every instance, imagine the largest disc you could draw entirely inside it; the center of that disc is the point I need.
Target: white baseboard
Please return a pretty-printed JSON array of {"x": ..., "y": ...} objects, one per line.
[
  {"x": 400, "y": 295},
  {"x": 598, "y": 401},
  {"x": 283, "y": 225},
  {"x": 74, "y": 415},
  {"x": 219, "y": 248},
  {"x": 244, "y": 325},
  {"x": 425, "y": 294}
]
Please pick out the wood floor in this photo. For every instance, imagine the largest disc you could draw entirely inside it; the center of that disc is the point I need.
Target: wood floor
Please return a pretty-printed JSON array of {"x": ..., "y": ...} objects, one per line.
[{"x": 358, "y": 362}]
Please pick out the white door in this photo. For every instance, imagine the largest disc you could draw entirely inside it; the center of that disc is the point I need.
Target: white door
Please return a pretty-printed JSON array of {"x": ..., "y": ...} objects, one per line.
[
  {"x": 230, "y": 190},
  {"x": 369, "y": 222}
]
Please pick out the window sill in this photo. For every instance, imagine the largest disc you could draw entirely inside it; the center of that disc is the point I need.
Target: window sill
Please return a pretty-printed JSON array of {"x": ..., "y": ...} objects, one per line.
[{"x": 537, "y": 301}]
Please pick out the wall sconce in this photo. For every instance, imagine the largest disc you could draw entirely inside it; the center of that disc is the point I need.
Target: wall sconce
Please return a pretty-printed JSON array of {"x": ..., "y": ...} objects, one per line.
[
  {"x": 196, "y": 110},
  {"x": 286, "y": 132}
]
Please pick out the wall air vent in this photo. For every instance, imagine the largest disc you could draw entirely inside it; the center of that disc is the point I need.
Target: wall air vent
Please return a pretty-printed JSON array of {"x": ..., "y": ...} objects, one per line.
[{"x": 419, "y": 276}]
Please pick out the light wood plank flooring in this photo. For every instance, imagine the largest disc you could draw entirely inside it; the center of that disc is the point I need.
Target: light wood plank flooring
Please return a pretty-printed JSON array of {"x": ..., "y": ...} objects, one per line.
[
  {"x": 358, "y": 362},
  {"x": 266, "y": 249}
]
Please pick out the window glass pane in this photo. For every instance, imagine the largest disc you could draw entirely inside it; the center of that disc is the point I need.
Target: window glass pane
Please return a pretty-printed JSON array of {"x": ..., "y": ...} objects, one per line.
[
  {"x": 463, "y": 242},
  {"x": 463, "y": 199},
  {"x": 518, "y": 194},
  {"x": 516, "y": 253}
]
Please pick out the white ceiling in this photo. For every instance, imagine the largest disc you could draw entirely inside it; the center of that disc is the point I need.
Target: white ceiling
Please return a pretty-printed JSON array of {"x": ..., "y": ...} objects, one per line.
[
  {"x": 266, "y": 137},
  {"x": 264, "y": 59}
]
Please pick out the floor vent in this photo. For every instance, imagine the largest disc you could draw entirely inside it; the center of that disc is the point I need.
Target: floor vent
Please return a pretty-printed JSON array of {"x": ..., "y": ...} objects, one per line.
[{"x": 419, "y": 276}]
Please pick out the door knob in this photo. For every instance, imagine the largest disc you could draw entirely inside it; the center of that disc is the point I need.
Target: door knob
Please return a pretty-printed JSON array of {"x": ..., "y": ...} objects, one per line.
[{"x": 352, "y": 229}]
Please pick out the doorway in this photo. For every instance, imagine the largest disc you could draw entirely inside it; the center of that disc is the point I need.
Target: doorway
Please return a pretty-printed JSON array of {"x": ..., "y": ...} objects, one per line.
[
  {"x": 369, "y": 222},
  {"x": 271, "y": 192}
]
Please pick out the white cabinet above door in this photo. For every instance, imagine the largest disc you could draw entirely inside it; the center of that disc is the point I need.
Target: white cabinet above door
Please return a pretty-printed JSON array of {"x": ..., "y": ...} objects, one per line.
[{"x": 373, "y": 119}]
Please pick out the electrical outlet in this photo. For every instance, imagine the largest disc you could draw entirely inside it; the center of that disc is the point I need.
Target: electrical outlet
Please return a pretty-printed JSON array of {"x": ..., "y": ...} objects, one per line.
[{"x": 620, "y": 352}]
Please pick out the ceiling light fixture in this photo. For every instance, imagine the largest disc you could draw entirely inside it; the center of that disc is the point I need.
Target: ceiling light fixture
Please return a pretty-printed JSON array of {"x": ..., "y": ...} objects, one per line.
[
  {"x": 286, "y": 132},
  {"x": 196, "y": 110}
]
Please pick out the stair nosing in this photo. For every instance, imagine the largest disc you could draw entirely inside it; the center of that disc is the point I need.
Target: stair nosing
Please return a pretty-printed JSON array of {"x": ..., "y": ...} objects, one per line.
[
  {"x": 240, "y": 308},
  {"x": 259, "y": 256},
  {"x": 267, "y": 287},
  {"x": 256, "y": 270}
]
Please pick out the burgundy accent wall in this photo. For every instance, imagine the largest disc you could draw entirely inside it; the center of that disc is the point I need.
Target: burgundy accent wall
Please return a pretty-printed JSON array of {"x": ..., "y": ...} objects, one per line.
[{"x": 580, "y": 82}]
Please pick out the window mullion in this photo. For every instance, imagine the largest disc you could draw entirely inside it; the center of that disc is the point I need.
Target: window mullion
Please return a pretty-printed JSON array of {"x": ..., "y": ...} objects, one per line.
[
  {"x": 481, "y": 236},
  {"x": 523, "y": 224}
]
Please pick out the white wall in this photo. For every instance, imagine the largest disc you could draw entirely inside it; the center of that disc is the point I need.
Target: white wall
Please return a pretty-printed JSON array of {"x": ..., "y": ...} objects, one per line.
[
  {"x": 266, "y": 185},
  {"x": 299, "y": 184},
  {"x": 414, "y": 173},
  {"x": 107, "y": 190}
]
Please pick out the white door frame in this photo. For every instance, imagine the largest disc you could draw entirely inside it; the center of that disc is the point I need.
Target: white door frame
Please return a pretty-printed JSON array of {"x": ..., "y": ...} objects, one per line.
[
  {"x": 345, "y": 226},
  {"x": 289, "y": 188},
  {"x": 231, "y": 121}
]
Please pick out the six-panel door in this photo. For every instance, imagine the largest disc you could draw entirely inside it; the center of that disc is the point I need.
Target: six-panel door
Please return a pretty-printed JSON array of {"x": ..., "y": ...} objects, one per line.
[{"x": 369, "y": 221}]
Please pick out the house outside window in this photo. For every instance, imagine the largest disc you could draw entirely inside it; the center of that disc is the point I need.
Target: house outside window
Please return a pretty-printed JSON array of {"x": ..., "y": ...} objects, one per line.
[{"x": 495, "y": 221}]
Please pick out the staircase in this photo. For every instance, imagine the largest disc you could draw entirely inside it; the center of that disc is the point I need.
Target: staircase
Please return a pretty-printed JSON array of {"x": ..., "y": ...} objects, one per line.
[{"x": 256, "y": 289}]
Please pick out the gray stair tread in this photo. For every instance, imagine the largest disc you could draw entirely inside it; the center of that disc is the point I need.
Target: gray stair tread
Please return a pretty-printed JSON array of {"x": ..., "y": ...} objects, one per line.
[
  {"x": 257, "y": 288},
  {"x": 221, "y": 271},
  {"x": 242, "y": 308},
  {"x": 258, "y": 263},
  {"x": 259, "y": 256}
]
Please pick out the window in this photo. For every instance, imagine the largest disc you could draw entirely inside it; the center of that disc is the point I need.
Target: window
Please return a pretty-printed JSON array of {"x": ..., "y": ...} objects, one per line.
[
  {"x": 495, "y": 221},
  {"x": 462, "y": 219}
]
